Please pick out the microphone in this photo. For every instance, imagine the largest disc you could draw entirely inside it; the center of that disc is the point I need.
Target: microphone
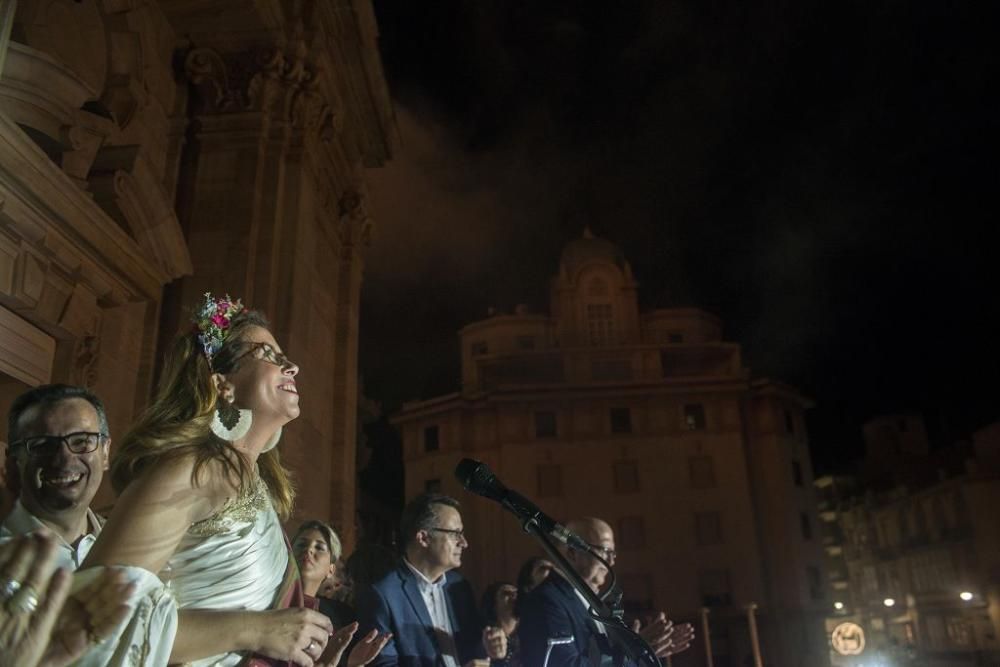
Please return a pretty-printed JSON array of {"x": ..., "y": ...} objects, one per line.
[{"x": 477, "y": 477}]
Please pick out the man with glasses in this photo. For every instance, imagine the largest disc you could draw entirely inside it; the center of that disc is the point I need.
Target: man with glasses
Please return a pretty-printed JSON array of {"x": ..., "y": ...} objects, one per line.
[
  {"x": 555, "y": 610},
  {"x": 426, "y": 605},
  {"x": 57, "y": 452}
]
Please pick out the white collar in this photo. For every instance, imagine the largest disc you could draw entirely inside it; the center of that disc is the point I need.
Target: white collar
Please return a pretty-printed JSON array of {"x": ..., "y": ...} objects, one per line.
[
  {"x": 20, "y": 522},
  {"x": 422, "y": 578}
]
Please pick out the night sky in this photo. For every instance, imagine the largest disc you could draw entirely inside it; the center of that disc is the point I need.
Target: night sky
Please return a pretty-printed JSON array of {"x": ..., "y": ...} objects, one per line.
[{"x": 820, "y": 175}]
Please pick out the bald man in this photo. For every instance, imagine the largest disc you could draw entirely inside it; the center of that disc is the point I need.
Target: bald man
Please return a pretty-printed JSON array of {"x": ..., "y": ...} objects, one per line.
[{"x": 555, "y": 610}]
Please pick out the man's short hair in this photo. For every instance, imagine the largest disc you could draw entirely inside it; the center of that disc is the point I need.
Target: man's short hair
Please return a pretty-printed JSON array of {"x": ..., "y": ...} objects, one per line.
[
  {"x": 45, "y": 396},
  {"x": 419, "y": 514}
]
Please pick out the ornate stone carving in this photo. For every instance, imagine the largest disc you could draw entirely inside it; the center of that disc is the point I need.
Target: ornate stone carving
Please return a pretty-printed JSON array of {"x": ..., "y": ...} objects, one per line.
[
  {"x": 85, "y": 360},
  {"x": 270, "y": 80},
  {"x": 355, "y": 224}
]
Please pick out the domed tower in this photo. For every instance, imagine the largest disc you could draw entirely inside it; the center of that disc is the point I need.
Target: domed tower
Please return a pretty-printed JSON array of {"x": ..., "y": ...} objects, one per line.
[{"x": 593, "y": 297}]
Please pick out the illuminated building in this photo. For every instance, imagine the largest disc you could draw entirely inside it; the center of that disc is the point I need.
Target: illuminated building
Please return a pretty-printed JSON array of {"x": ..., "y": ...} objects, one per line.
[
  {"x": 651, "y": 421},
  {"x": 153, "y": 150},
  {"x": 919, "y": 530}
]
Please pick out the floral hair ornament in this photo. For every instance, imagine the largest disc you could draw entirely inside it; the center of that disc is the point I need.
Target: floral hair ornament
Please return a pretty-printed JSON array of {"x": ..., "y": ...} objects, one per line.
[{"x": 212, "y": 322}]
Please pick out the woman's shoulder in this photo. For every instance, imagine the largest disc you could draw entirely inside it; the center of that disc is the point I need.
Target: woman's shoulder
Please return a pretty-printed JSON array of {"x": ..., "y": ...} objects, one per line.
[{"x": 186, "y": 474}]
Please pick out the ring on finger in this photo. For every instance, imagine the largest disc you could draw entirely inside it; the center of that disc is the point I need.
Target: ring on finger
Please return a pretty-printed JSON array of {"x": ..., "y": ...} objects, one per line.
[
  {"x": 25, "y": 600},
  {"x": 92, "y": 637},
  {"x": 309, "y": 648},
  {"x": 8, "y": 586}
]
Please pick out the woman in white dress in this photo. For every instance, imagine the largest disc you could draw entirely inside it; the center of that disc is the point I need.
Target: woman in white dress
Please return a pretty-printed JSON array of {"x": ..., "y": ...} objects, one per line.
[{"x": 201, "y": 491}]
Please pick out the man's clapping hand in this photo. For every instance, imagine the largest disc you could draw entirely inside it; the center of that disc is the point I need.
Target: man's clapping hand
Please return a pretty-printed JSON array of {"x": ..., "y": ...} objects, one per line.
[{"x": 664, "y": 637}]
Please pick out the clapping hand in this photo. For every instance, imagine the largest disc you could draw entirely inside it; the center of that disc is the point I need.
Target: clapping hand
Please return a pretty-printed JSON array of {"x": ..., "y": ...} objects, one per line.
[
  {"x": 495, "y": 642},
  {"x": 40, "y": 624},
  {"x": 368, "y": 648},
  {"x": 664, "y": 637},
  {"x": 89, "y": 616}
]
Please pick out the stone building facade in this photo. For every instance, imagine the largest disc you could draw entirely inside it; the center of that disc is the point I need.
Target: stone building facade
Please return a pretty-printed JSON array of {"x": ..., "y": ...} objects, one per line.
[
  {"x": 153, "y": 150},
  {"x": 914, "y": 550},
  {"x": 651, "y": 421}
]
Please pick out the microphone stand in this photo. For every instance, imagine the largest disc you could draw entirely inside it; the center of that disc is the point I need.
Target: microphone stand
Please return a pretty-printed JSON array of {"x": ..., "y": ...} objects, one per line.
[{"x": 628, "y": 643}]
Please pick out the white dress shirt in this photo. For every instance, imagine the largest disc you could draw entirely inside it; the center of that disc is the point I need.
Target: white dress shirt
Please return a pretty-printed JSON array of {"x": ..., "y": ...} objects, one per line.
[
  {"x": 21, "y": 522},
  {"x": 437, "y": 607}
]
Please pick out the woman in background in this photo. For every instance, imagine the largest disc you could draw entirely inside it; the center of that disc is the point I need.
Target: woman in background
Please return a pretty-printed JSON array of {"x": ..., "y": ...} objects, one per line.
[{"x": 498, "y": 608}]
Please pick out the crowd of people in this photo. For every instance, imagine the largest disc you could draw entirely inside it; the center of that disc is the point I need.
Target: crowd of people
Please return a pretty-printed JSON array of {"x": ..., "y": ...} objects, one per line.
[{"x": 192, "y": 566}]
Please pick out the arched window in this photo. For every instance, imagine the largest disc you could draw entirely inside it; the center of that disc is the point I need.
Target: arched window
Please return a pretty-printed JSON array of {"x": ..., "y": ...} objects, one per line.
[{"x": 600, "y": 323}]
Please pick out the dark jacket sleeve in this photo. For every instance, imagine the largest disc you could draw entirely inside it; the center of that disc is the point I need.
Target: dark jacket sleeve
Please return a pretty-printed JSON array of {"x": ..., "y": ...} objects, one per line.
[
  {"x": 373, "y": 612},
  {"x": 469, "y": 635},
  {"x": 544, "y": 616}
]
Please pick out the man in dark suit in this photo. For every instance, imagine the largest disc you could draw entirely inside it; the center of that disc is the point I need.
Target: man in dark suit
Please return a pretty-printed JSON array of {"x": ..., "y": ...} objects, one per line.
[
  {"x": 426, "y": 605},
  {"x": 555, "y": 611}
]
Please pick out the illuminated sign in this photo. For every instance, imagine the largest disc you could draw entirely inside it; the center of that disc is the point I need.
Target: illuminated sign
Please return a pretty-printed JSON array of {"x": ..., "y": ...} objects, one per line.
[{"x": 848, "y": 639}]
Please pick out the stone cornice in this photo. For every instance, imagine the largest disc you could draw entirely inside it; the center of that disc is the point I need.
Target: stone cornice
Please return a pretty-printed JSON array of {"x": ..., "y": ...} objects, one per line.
[{"x": 42, "y": 205}]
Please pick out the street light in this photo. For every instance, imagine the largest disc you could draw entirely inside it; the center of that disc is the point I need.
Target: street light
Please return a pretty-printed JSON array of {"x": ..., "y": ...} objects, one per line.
[
  {"x": 966, "y": 596},
  {"x": 838, "y": 605},
  {"x": 888, "y": 602}
]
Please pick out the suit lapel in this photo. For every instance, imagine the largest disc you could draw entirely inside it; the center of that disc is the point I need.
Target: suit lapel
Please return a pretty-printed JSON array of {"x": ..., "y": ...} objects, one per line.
[
  {"x": 412, "y": 593},
  {"x": 451, "y": 608}
]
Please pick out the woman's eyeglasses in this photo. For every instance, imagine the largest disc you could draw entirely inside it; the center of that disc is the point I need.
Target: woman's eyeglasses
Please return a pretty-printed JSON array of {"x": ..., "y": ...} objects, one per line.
[{"x": 268, "y": 354}]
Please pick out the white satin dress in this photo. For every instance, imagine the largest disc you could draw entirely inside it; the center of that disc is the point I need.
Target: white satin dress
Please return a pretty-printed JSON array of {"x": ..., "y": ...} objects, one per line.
[{"x": 233, "y": 560}]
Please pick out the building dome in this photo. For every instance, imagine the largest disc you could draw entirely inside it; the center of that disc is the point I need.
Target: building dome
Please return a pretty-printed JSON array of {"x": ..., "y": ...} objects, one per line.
[{"x": 590, "y": 248}]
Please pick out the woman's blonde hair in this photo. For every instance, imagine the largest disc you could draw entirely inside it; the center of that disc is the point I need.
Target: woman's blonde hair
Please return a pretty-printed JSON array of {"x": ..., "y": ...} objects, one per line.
[
  {"x": 329, "y": 536},
  {"x": 176, "y": 423}
]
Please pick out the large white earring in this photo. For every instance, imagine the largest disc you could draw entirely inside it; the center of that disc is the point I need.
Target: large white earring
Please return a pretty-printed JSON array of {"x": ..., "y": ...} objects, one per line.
[
  {"x": 229, "y": 422},
  {"x": 272, "y": 441}
]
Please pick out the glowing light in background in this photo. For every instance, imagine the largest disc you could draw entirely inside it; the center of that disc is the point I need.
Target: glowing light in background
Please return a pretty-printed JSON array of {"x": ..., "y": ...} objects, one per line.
[
  {"x": 838, "y": 605},
  {"x": 966, "y": 595},
  {"x": 888, "y": 602}
]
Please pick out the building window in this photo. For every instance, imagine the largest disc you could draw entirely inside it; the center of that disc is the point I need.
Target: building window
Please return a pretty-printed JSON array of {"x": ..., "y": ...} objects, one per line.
[
  {"x": 550, "y": 481},
  {"x": 959, "y": 631},
  {"x": 789, "y": 422},
  {"x": 479, "y": 348},
  {"x": 797, "y": 473},
  {"x": 626, "y": 477},
  {"x": 807, "y": 531},
  {"x": 815, "y": 579},
  {"x": 600, "y": 324},
  {"x": 702, "y": 469},
  {"x": 545, "y": 425},
  {"x": 631, "y": 533},
  {"x": 621, "y": 420},
  {"x": 708, "y": 528},
  {"x": 674, "y": 337},
  {"x": 694, "y": 417},
  {"x": 607, "y": 370},
  {"x": 715, "y": 588},
  {"x": 432, "y": 486},
  {"x": 432, "y": 441},
  {"x": 526, "y": 342},
  {"x": 638, "y": 589}
]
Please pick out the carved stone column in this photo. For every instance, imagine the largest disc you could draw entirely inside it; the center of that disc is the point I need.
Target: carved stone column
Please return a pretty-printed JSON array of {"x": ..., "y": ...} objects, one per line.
[{"x": 261, "y": 204}]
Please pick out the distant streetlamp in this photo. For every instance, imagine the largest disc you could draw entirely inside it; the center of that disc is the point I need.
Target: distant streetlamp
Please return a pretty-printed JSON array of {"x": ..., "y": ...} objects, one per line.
[
  {"x": 966, "y": 596},
  {"x": 838, "y": 605},
  {"x": 888, "y": 602}
]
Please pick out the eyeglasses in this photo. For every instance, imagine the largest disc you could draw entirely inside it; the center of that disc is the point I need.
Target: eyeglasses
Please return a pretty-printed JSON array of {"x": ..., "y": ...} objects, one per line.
[
  {"x": 270, "y": 355},
  {"x": 606, "y": 553},
  {"x": 81, "y": 442},
  {"x": 459, "y": 535}
]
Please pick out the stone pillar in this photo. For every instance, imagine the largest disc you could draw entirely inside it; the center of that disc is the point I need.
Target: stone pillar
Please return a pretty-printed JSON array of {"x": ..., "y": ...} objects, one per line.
[{"x": 262, "y": 206}]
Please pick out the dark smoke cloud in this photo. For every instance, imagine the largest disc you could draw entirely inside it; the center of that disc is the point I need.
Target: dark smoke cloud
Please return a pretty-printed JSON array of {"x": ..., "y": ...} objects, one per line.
[{"x": 820, "y": 175}]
